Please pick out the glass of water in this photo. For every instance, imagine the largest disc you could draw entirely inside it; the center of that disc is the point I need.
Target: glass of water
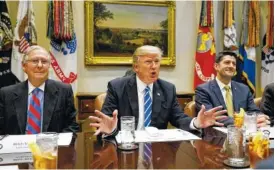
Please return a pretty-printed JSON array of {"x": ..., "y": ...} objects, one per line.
[
  {"x": 127, "y": 132},
  {"x": 236, "y": 145},
  {"x": 250, "y": 122}
]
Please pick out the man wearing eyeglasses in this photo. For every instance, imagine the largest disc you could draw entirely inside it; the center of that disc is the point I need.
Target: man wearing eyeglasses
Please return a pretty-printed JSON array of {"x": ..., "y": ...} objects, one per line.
[
  {"x": 37, "y": 104},
  {"x": 151, "y": 100}
]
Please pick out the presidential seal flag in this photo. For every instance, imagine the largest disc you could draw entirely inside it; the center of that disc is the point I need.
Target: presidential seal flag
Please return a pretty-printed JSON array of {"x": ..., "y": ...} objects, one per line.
[
  {"x": 205, "y": 53},
  {"x": 6, "y": 35},
  {"x": 24, "y": 31},
  {"x": 63, "y": 42}
]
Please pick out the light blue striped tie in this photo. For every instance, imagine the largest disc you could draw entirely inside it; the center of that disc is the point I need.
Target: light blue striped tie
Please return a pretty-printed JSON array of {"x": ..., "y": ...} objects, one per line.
[
  {"x": 147, "y": 149},
  {"x": 147, "y": 107}
]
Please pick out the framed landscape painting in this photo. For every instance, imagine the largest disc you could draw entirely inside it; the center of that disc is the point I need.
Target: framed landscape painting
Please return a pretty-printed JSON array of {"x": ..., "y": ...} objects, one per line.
[{"x": 114, "y": 29}]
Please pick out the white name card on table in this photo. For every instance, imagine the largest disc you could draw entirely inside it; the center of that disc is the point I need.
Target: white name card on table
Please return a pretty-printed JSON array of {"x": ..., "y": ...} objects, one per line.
[
  {"x": 165, "y": 135},
  {"x": 9, "y": 167},
  {"x": 14, "y": 158},
  {"x": 19, "y": 143}
]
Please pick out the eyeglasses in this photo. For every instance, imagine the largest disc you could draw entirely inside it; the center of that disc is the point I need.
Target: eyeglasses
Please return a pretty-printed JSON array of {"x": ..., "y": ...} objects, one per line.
[{"x": 35, "y": 62}]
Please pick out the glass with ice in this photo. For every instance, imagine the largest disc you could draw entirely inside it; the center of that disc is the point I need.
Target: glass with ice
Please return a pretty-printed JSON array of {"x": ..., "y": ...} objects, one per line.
[
  {"x": 45, "y": 151},
  {"x": 127, "y": 131},
  {"x": 236, "y": 144},
  {"x": 250, "y": 122}
]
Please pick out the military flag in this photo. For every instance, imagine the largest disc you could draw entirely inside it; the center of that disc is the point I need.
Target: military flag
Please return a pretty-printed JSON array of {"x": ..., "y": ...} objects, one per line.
[
  {"x": 205, "y": 53},
  {"x": 267, "y": 68},
  {"x": 63, "y": 44}
]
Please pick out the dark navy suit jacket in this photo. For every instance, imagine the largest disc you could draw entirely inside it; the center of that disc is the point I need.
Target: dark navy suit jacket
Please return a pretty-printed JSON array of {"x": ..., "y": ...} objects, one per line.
[
  {"x": 210, "y": 95},
  {"x": 59, "y": 114},
  {"x": 122, "y": 95}
]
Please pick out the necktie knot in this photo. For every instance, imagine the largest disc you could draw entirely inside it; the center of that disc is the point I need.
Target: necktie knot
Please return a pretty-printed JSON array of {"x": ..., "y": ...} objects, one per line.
[
  {"x": 36, "y": 91},
  {"x": 147, "y": 89},
  {"x": 227, "y": 88}
]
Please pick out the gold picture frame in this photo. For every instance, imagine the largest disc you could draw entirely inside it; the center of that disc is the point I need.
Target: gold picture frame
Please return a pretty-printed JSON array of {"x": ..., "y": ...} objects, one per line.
[{"x": 106, "y": 43}]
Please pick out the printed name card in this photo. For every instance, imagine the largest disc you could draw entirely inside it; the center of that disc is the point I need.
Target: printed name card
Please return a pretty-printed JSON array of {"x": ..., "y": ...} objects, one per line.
[{"x": 19, "y": 143}]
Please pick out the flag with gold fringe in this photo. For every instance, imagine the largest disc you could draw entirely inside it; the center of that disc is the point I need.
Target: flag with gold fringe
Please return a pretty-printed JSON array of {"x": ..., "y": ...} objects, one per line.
[
  {"x": 267, "y": 68},
  {"x": 246, "y": 66},
  {"x": 6, "y": 35},
  {"x": 205, "y": 52},
  {"x": 24, "y": 30},
  {"x": 63, "y": 44}
]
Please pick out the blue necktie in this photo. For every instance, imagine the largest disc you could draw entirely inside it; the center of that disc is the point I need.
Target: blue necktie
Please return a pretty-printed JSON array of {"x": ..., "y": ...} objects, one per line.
[
  {"x": 147, "y": 107},
  {"x": 34, "y": 113},
  {"x": 147, "y": 149}
]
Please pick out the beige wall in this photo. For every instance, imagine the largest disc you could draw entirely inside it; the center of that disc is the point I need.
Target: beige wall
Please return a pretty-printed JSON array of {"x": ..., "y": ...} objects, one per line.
[{"x": 95, "y": 78}]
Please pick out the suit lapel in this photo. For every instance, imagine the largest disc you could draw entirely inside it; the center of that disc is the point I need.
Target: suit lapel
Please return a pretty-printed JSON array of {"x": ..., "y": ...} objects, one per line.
[
  {"x": 158, "y": 98},
  {"x": 235, "y": 92},
  {"x": 20, "y": 105},
  {"x": 133, "y": 96},
  {"x": 217, "y": 91},
  {"x": 50, "y": 100}
]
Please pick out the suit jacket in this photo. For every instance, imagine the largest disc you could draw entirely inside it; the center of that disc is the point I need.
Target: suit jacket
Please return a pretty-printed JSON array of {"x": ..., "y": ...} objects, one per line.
[
  {"x": 210, "y": 95},
  {"x": 122, "y": 95},
  {"x": 267, "y": 102},
  {"x": 59, "y": 114}
]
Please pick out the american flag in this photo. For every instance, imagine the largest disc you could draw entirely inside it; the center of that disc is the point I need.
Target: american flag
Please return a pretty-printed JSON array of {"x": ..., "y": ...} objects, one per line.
[{"x": 23, "y": 45}]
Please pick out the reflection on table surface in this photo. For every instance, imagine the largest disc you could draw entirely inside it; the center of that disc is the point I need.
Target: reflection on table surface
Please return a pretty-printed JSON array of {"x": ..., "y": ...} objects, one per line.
[{"x": 86, "y": 152}]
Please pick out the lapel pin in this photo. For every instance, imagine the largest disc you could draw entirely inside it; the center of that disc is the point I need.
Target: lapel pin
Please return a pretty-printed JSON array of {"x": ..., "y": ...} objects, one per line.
[{"x": 158, "y": 94}]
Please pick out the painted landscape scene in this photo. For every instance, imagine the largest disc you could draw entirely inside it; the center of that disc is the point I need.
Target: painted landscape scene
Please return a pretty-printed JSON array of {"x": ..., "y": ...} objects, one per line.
[{"x": 120, "y": 28}]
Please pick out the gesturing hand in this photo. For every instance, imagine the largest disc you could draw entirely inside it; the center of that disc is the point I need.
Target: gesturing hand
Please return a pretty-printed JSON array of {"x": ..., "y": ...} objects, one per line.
[
  {"x": 104, "y": 123},
  {"x": 210, "y": 117}
]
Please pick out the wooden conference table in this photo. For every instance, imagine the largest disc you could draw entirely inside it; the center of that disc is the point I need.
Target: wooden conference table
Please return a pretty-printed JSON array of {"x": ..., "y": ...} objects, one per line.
[{"x": 86, "y": 152}]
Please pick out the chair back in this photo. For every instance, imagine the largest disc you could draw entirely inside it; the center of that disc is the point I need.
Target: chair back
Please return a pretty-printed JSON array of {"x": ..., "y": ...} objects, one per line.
[
  {"x": 190, "y": 109},
  {"x": 257, "y": 101},
  {"x": 99, "y": 100}
]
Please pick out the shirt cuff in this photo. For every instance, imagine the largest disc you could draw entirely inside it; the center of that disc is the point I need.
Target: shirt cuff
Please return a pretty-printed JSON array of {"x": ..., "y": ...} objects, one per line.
[
  {"x": 107, "y": 135},
  {"x": 192, "y": 124}
]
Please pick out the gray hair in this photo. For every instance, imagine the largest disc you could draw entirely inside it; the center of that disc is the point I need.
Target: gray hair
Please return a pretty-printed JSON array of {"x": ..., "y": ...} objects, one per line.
[
  {"x": 31, "y": 49},
  {"x": 145, "y": 50}
]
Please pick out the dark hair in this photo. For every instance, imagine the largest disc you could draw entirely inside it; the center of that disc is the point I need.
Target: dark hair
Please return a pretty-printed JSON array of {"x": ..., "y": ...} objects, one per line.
[{"x": 224, "y": 53}]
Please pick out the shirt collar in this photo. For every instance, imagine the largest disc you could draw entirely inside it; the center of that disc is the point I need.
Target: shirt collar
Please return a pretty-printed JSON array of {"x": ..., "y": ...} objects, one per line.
[
  {"x": 221, "y": 84},
  {"x": 31, "y": 87},
  {"x": 141, "y": 85}
]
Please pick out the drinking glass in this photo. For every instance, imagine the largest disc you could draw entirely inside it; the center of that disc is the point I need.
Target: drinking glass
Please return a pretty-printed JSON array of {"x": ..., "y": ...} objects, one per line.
[
  {"x": 258, "y": 147},
  {"x": 250, "y": 122},
  {"x": 45, "y": 151},
  {"x": 236, "y": 143},
  {"x": 127, "y": 132}
]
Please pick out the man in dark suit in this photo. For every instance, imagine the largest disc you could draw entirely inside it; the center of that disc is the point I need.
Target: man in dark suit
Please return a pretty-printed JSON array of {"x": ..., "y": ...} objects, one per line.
[
  {"x": 223, "y": 91},
  {"x": 267, "y": 103},
  {"x": 150, "y": 100},
  {"x": 38, "y": 104}
]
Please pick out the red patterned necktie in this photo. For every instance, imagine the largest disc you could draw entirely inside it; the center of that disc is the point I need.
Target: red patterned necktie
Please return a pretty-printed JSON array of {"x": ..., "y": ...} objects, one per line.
[{"x": 34, "y": 113}]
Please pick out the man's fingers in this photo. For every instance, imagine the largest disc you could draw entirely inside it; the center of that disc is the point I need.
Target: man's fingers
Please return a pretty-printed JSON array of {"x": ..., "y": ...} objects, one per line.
[
  {"x": 97, "y": 132},
  {"x": 95, "y": 124},
  {"x": 100, "y": 114},
  {"x": 215, "y": 109},
  {"x": 115, "y": 115},
  {"x": 202, "y": 109},
  {"x": 221, "y": 112},
  {"x": 94, "y": 118},
  {"x": 218, "y": 124},
  {"x": 220, "y": 117}
]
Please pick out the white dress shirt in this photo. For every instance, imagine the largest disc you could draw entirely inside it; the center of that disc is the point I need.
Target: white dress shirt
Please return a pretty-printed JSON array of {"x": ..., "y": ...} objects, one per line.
[
  {"x": 141, "y": 92},
  {"x": 222, "y": 85}
]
